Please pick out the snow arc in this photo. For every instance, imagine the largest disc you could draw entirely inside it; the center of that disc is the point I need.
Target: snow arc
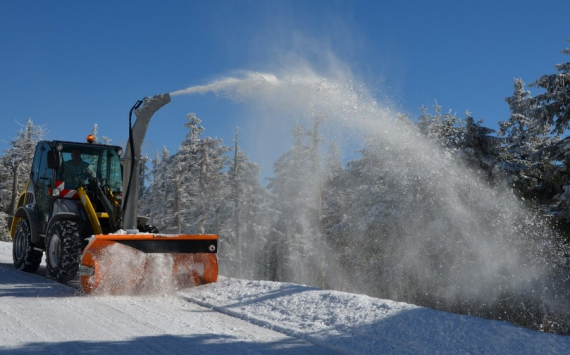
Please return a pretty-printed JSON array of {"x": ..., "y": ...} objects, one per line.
[{"x": 442, "y": 236}]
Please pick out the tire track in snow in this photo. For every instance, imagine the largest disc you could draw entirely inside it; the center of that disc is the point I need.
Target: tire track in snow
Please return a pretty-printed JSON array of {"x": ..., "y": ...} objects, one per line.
[
  {"x": 112, "y": 322},
  {"x": 272, "y": 326},
  {"x": 17, "y": 327},
  {"x": 201, "y": 322},
  {"x": 144, "y": 320}
]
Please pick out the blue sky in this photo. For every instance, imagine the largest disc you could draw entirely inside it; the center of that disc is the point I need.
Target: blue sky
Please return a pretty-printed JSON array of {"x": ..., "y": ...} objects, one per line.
[{"x": 70, "y": 64}]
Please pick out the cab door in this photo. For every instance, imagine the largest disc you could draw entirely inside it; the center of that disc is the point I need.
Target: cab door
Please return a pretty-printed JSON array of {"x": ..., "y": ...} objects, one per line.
[{"x": 42, "y": 180}]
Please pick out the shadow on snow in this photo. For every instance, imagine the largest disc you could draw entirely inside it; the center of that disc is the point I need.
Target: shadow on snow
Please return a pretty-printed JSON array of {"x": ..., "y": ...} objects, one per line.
[
  {"x": 170, "y": 344},
  {"x": 14, "y": 283}
]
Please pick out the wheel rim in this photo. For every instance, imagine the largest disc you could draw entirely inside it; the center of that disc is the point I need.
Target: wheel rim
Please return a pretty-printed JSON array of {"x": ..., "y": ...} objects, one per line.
[
  {"x": 53, "y": 253},
  {"x": 20, "y": 244}
]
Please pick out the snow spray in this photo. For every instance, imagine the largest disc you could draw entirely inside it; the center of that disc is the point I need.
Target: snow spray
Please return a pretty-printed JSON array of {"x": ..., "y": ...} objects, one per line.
[
  {"x": 453, "y": 241},
  {"x": 126, "y": 271}
]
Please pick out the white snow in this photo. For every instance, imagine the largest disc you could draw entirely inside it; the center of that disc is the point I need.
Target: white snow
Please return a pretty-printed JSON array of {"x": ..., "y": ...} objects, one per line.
[{"x": 240, "y": 317}]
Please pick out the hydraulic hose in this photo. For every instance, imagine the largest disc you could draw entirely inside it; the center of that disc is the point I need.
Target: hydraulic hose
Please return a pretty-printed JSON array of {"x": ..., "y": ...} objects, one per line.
[{"x": 132, "y": 146}]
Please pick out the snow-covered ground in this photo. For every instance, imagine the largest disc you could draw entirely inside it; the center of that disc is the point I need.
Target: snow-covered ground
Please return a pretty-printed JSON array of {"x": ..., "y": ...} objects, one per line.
[{"x": 240, "y": 317}]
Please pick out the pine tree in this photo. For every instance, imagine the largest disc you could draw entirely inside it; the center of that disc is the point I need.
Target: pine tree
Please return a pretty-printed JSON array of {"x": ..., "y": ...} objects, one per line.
[
  {"x": 5, "y": 185},
  {"x": 332, "y": 191},
  {"x": 478, "y": 148},
  {"x": 524, "y": 161},
  {"x": 156, "y": 202},
  {"x": 553, "y": 106},
  {"x": 103, "y": 140},
  {"x": 367, "y": 201},
  {"x": 94, "y": 133},
  {"x": 5, "y": 196},
  {"x": 444, "y": 128},
  {"x": 18, "y": 160},
  {"x": 244, "y": 221},
  {"x": 552, "y": 109},
  {"x": 556, "y": 185},
  {"x": 465, "y": 138},
  {"x": 199, "y": 166},
  {"x": 297, "y": 189},
  {"x": 143, "y": 176}
]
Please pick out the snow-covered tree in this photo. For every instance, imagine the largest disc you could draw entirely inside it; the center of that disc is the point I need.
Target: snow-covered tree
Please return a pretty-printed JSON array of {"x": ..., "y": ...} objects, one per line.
[
  {"x": 465, "y": 138},
  {"x": 5, "y": 185},
  {"x": 297, "y": 235},
  {"x": 245, "y": 219},
  {"x": 18, "y": 159},
  {"x": 332, "y": 187},
  {"x": 94, "y": 133},
  {"x": 526, "y": 156},
  {"x": 102, "y": 140},
  {"x": 555, "y": 193},
  {"x": 144, "y": 176},
  {"x": 200, "y": 168},
  {"x": 4, "y": 228},
  {"x": 444, "y": 128},
  {"x": 362, "y": 212},
  {"x": 188, "y": 189},
  {"x": 478, "y": 148},
  {"x": 157, "y": 201},
  {"x": 552, "y": 107},
  {"x": 293, "y": 199},
  {"x": 5, "y": 196}
]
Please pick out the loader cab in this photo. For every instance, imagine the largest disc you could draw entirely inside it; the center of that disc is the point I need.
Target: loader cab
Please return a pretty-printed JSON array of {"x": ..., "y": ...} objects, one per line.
[
  {"x": 97, "y": 161},
  {"x": 50, "y": 168}
]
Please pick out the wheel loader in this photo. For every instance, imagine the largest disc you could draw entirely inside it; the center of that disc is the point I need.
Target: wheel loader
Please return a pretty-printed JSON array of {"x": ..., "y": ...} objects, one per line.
[{"x": 80, "y": 207}]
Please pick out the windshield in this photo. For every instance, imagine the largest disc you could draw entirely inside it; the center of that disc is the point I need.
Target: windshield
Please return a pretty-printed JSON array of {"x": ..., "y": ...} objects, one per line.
[{"x": 83, "y": 162}]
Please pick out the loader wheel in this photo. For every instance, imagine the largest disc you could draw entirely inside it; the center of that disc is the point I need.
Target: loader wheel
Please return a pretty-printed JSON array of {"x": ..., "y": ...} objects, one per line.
[
  {"x": 26, "y": 258},
  {"x": 63, "y": 251}
]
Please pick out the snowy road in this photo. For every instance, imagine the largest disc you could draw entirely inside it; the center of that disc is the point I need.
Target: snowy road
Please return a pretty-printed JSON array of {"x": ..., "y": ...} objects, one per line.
[
  {"x": 240, "y": 317},
  {"x": 38, "y": 315}
]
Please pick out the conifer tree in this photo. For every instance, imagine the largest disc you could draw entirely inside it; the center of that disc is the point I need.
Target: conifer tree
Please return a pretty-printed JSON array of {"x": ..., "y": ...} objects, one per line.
[
  {"x": 296, "y": 190},
  {"x": 526, "y": 156},
  {"x": 552, "y": 107},
  {"x": 18, "y": 160},
  {"x": 5, "y": 197},
  {"x": 156, "y": 202},
  {"x": 478, "y": 148},
  {"x": 245, "y": 218},
  {"x": 444, "y": 128},
  {"x": 199, "y": 167}
]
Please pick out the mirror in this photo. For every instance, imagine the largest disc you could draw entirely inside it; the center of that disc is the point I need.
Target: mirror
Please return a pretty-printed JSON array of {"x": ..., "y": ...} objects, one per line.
[{"x": 53, "y": 159}]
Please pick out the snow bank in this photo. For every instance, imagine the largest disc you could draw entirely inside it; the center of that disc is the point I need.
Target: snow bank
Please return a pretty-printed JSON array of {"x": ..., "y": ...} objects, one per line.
[{"x": 358, "y": 324}]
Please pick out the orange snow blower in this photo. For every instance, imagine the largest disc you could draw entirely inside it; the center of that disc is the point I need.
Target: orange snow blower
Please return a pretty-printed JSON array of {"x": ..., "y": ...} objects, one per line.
[{"x": 80, "y": 208}]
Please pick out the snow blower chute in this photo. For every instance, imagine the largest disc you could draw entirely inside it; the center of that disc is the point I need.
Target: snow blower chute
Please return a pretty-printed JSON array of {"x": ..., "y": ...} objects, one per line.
[{"x": 80, "y": 207}]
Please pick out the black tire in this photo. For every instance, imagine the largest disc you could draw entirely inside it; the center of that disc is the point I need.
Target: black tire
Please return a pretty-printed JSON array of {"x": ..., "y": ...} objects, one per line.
[
  {"x": 63, "y": 251},
  {"x": 148, "y": 228},
  {"x": 26, "y": 258}
]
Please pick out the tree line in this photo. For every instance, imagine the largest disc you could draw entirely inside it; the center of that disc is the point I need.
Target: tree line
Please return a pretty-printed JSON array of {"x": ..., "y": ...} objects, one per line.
[{"x": 374, "y": 224}]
